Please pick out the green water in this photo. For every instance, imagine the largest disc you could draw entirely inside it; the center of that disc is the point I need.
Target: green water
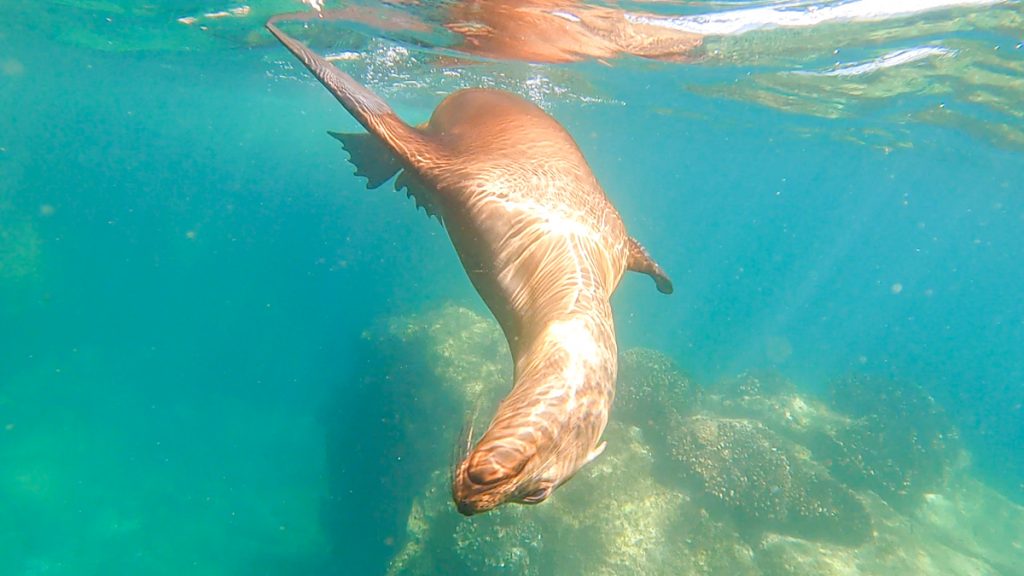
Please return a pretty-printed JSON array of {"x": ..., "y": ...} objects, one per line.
[{"x": 192, "y": 281}]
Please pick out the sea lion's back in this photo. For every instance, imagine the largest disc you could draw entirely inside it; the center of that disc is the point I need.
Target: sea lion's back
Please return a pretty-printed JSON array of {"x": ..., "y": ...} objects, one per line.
[
  {"x": 491, "y": 125},
  {"x": 511, "y": 147}
]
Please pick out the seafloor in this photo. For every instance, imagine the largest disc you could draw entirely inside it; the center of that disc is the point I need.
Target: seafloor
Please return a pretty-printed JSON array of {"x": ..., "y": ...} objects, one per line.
[{"x": 748, "y": 476}]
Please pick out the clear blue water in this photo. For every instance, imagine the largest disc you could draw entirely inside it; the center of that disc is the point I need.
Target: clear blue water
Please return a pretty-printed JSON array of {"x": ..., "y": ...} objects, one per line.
[{"x": 188, "y": 264}]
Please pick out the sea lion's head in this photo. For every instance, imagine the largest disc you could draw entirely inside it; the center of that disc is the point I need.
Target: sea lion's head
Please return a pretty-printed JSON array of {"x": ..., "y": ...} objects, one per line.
[{"x": 501, "y": 471}]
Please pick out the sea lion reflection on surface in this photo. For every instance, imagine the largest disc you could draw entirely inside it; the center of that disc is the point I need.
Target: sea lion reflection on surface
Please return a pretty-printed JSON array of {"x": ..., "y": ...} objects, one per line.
[
  {"x": 554, "y": 31},
  {"x": 541, "y": 244}
]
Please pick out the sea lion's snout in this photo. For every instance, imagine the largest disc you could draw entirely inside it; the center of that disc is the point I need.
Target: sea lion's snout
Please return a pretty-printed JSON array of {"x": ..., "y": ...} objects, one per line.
[{"x": 466, "y": 508}]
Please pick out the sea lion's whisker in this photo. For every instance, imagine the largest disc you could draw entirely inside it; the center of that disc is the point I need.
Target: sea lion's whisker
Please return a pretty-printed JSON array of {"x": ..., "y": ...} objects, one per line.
[{"x": 462, "y": 445}]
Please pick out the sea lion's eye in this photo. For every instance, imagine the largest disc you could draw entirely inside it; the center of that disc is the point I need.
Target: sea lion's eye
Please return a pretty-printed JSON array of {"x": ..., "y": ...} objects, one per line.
[{"x": 536, "y": 496}]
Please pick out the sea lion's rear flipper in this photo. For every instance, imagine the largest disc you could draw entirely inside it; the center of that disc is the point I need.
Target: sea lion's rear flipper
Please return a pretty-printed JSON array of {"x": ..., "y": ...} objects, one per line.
[
  {"x": 404, "y": 142},
  {"x": 640, "y": 261},
  {"x": 371, "y": 157}
]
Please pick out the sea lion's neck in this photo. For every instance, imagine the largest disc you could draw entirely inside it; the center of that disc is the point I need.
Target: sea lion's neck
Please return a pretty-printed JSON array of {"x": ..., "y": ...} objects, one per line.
[
  {"x": 583, "y": 334},
  {"x": 562, "y": 314},
  {"x": 564, "y": 383}
]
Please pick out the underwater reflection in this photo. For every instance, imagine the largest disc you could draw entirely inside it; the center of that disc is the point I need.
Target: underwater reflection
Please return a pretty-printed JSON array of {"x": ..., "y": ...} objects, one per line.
[
  {"x": 950, "y": 63},
  {"x": 954, "y": 63},
  {"x": 555, "y": 31}
]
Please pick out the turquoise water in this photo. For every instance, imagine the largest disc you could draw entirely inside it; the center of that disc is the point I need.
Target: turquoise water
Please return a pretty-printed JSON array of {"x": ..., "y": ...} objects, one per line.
[{"x": 187, "y": 264}]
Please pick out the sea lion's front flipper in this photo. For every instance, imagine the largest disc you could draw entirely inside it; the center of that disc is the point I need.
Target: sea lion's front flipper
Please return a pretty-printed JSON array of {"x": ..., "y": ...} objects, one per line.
[
  {"x": 375, "y": 162},
  {"x": 640, "y": 261},
  {"x": 415, "y": 189},
  {"x": 371, "y": 157},
  {"x": 596, "y": 452}
]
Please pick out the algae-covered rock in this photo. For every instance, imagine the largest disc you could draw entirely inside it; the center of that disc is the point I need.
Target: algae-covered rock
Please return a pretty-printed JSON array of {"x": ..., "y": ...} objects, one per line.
[
  {"x": 464, "y": 351},
  {"x": 898, "y": 553},
  {"x": 875, "y": 434},
  {"x": 862, "y": 395},
  {"x": 650, "y": 386},
  {"x": 777, "y": 403},
  {"x": 747, "y": 385},
  {"x": 901, "y": 446},
  {"x": 904, "y": 545},
  {"x": 766, "y": 482},
  {"x": 977, "y": 521}
]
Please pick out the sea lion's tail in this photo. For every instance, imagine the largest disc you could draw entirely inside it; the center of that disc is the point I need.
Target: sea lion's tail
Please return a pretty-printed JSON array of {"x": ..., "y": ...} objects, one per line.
[{"x": 366, "y": 107}]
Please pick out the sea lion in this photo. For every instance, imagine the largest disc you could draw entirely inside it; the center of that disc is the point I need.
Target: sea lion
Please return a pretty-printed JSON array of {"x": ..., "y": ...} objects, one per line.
[{"x": 541, "y": 244}]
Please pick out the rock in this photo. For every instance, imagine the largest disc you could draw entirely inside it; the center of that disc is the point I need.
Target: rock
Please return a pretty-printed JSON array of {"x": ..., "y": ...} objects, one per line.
[
  {"x": 650, "y": 386},
  {"x": 753, "y": 385},
  {"x": 977, "y": 521},
  {"x": 463, "y": 351},
  {"x": 900, "y": 545},
  {"x": 875, "y": 434},
  {"x": 864, "y": 395},
  {"x": 901, "y": 445},
  {"x": 765, "y": 482},
  {"x": 775, "y": 402}
]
